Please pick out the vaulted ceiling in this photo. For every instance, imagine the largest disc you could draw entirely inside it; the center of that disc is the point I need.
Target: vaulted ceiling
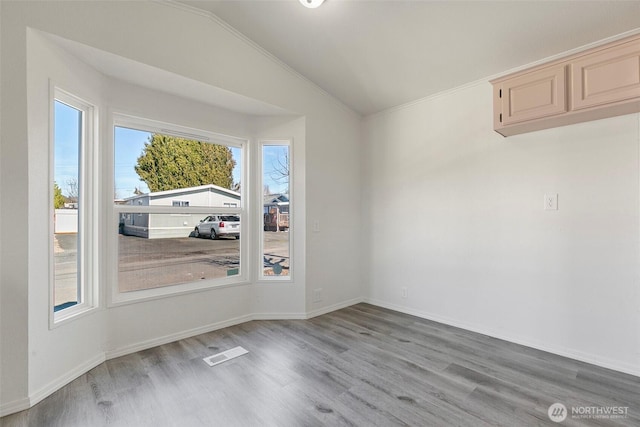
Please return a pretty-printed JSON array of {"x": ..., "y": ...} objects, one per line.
[{"x": 373, "y": 55}]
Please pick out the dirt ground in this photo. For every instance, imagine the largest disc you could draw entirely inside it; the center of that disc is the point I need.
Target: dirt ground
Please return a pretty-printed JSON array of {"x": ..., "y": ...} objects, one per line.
[{"x": 149, "y": 263}]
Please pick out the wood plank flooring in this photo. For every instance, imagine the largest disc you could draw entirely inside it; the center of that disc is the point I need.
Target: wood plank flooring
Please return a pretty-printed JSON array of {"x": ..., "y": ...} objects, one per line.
[{"x": 359, "y": 366}]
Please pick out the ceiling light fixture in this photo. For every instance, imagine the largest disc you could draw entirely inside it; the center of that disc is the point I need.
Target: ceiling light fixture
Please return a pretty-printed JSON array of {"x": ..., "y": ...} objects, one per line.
[{"x": 311, "y": 4}]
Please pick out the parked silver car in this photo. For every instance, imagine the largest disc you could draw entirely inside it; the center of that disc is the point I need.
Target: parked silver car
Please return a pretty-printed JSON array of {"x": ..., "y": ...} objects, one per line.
[{"x": 216, "y": 226}]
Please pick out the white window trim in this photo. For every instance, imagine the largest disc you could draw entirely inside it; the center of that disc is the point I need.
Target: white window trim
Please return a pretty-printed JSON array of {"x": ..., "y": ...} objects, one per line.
[
  {"x": 260, "y": 177},
  {"x": 87, "y": 228},
  {"x": 117, "y": 298}
]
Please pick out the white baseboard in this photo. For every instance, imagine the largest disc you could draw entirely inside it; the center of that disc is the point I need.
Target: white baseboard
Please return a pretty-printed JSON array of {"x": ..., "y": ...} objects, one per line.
[
  {"x": 15, "y": 406},
  {"x": 65, "y": 379},
  {"x": 279, "y": 316},
  {"x": 309, "y": 314},
  {"x": 560, "y": 351},
  {"x": 334, "y": 307},
  {"x": 166, "y": 339},
  {"x": 123, "y": 351},
  {"x": 26, "y": 403}
]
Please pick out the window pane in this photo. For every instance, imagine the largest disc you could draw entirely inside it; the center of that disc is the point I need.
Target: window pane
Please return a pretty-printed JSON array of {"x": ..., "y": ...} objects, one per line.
[
  {"x": 67, "y": 204},
  {"x": 150, "y": 256},
  {"x": 275, "y": 181},
  {"x": 153, "y": 169}
]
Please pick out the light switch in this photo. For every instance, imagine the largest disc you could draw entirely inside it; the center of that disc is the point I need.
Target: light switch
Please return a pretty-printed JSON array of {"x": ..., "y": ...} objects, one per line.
[
  {"x": 551, "y": 202},
  {"x": 316, "y": 226}
]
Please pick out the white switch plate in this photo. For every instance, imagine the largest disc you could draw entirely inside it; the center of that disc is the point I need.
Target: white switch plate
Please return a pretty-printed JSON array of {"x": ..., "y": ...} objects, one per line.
[
  {"x": 405, "y": 292},
  {"x": 316, "y": 226},
  {"x": 551, "y": 202}
]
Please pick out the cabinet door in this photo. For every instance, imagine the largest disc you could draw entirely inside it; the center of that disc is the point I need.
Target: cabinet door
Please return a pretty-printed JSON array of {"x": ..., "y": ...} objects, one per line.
[
  {"x": 534, "y": 95},
  {"x": 607, "y": 76}
]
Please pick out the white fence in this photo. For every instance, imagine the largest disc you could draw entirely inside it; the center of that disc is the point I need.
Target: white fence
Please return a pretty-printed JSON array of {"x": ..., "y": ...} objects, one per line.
[{"x": 66, "y": 221}]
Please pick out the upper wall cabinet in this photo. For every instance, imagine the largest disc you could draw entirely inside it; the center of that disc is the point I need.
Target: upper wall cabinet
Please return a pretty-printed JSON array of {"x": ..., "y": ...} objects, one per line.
[
  {"x": 607, "y": 76},
  {"x": 595, "y": 84},
  {"x": 533, "y": 96}
]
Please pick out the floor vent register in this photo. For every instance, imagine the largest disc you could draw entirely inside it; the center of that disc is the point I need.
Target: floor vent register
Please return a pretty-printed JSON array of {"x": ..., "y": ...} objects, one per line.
[{"x": 216, "y": 359}]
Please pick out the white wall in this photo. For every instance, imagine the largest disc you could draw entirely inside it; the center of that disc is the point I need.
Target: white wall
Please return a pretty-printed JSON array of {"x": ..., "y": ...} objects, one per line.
[
  {"x": 1, "y": 275},
  {"x": 50, "y": 358},
  {"x": 2, "y": 343},
  {"x": 333, "y": 190},
  {"x": 37, "y": 359},
  {"x": 13, "y": 169},
  {"x": 189, "y": 314},
  {"x": 455, "y": 213},
  {"x": 270, "y": 298},
  {"x": 451, "y": 210}
]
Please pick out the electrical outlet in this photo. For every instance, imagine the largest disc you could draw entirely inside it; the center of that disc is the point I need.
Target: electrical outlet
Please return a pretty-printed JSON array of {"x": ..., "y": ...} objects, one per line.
[
  {"x": 404, "y": 291},
  {"x": 316, "y": 226},
  {"x": 551, "y": 202},
  {"x": 317, "y": 295}
]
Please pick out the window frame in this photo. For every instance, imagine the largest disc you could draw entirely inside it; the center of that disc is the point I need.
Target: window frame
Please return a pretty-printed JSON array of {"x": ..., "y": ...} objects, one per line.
[
  {"x": 260, "y": 209},
  {"x": 117, "y": 298},
  {"x": 87, "y": 275}
]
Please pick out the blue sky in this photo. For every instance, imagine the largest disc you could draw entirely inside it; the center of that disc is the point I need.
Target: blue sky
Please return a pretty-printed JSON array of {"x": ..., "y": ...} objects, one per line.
[
  {"x": 127, "y": 148},
  {"x": 130, "y": 142},
  {"x": 272, "y": 157},
  {"x": 67, "y": 138}
]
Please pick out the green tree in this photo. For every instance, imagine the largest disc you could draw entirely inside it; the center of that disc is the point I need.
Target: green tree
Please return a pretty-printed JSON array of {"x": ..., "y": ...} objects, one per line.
[
  {"x": 169, "y": 163},
  {"x": 58, "y": 198}
]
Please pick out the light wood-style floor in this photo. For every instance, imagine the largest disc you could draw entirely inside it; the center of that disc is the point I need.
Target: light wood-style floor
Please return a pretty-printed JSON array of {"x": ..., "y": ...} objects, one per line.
[{"x": 362, "y": 366}]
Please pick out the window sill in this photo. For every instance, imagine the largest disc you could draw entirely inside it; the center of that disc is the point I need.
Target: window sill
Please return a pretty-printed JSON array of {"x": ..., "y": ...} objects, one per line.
[
  {"x": 125, "y": 298},
  {"x": 275, "y": 279},
  {"x": 62, "y": 317}
]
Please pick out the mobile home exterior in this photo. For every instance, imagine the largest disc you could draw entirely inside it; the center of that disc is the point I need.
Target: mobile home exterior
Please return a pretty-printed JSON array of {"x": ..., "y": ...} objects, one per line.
[
  {"x": 180, "y": 224},
  {"x": 276, "y": 212}
]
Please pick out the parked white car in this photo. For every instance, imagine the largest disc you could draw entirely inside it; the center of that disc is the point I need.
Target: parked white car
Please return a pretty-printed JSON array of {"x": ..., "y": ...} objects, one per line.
[{"x": 216, "y": 226}]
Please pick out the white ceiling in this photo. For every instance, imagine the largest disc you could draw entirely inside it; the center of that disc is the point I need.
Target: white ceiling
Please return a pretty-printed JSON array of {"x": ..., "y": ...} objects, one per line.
[{"x": 373, "y": 55}]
